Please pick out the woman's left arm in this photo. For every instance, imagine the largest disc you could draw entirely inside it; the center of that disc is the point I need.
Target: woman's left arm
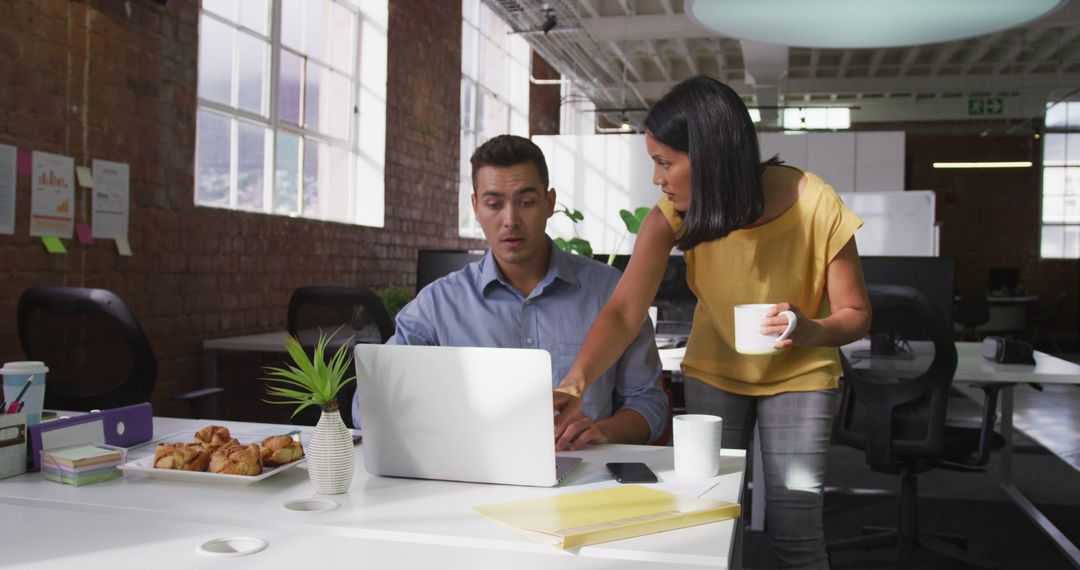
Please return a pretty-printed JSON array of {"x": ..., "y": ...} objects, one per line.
[{"x": 850, "y": 318}]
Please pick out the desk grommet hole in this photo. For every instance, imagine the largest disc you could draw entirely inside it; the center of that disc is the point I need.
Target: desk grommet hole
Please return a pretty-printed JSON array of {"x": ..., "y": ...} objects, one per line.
[
  {"x": 232, "y": 546},
  {"x": 311, "y": 505}
]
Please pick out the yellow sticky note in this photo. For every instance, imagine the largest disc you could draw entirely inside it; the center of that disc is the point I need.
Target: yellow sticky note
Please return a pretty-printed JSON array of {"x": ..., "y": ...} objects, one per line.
[
  {"x": 86, "y": 179},
  {"x": 53, "y": 244},
  {"x": 123, "y": 247}
]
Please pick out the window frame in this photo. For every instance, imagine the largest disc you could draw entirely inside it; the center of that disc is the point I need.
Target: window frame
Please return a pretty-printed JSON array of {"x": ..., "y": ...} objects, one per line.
[
  {"x": 1069, "y": 130},
  {"x": 467, "y": 224},
  {"x": 366, "y": 17}
]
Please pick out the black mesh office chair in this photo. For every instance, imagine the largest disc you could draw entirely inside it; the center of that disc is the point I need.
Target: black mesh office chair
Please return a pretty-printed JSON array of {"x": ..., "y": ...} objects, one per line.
[
  {"x": 899, "y": 419},
  {"x": 351, "y": 311},
  {"x": 1041, "y": 322},
  {"x": 97, "y": 353}
]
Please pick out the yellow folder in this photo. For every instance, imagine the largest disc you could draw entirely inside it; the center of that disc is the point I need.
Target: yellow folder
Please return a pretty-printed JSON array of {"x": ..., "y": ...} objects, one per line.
[{"x": 592, "y": 517}]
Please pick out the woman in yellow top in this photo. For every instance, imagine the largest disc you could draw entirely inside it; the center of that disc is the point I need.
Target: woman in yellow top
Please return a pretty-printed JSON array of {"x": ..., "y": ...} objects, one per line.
[{"x": 752, "y": 232}]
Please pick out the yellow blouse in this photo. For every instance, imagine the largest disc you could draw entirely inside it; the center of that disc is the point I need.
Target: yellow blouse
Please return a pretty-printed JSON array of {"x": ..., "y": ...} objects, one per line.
[{"x": 783, "y": 260}]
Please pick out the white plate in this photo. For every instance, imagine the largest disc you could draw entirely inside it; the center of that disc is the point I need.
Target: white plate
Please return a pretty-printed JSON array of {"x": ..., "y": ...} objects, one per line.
[{"x": 146, "y": 466}]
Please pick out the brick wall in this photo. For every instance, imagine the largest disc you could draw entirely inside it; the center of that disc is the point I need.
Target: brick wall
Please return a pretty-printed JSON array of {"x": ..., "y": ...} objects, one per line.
[{"x": 84, "y": 80}]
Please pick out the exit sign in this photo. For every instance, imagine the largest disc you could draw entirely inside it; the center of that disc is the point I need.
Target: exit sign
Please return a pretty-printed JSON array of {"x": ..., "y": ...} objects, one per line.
[{"x": 986, "y": 106}]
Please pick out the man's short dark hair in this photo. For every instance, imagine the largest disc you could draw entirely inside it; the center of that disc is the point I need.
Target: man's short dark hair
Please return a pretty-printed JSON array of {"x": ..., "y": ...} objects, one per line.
[{"x": 509, "y": 150}]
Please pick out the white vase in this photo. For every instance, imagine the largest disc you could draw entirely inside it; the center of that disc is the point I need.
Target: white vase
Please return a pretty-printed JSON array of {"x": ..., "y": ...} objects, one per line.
[{"x": 330, "y": 455}]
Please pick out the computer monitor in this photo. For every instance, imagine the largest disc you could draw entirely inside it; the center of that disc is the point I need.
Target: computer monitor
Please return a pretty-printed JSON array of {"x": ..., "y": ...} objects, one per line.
[
  {"x": 934, "y": 276},
  {"x": 433, "y": 264},
  {"x": 1003, "y": 280}
]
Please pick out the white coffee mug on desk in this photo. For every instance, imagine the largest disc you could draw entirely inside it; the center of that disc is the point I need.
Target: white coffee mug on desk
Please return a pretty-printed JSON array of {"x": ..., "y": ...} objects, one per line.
[
  {"x": 748, "y": 336},
  {"x": 696, "y": 439}
]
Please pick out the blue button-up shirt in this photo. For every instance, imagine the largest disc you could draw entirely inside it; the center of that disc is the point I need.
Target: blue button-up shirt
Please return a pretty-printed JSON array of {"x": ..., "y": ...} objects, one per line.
[{"x": 476, "y": 306}]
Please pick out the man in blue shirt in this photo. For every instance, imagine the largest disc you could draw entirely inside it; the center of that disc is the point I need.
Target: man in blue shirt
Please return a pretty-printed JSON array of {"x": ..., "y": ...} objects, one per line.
[{"x": 527, "y": 293}]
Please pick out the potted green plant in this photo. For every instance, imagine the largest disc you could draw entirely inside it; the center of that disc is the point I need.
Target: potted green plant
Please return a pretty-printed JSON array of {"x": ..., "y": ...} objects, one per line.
[{"x": 312, "y": 381}]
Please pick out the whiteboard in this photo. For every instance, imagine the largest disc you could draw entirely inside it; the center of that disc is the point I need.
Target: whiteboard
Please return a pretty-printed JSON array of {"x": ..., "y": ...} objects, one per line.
[{"x": 895, "y": 223}]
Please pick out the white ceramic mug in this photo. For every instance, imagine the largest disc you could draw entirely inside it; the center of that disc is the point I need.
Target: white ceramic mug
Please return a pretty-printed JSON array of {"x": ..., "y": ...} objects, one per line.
[
  {"x": 696, "y": 438},
  {"x": 748, "y": 337}
]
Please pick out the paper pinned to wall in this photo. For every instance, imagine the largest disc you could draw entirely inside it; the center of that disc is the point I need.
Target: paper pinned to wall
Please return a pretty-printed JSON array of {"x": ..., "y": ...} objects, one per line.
[
  {"x": 53, "y": 244},
  {"x": 123, "y": 247},
  {"x": 52, "y": 195},
  {"x": 8, "y": 158},
  {"x": 86, "y": 179},
  {"x": 82, "y": 233},
  {"x": 110, "y": 199}
]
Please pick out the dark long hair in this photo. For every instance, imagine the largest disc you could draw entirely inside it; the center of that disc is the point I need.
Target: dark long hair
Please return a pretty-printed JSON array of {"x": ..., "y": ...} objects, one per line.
[{"x": 708, "y": 120}]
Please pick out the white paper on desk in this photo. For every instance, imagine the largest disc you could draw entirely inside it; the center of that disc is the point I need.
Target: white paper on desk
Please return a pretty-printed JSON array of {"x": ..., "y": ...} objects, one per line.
[
  {"x": 110, "y": 199},
  {"x": 8, "y": 158},
  {"x": 52, "y": 195}
]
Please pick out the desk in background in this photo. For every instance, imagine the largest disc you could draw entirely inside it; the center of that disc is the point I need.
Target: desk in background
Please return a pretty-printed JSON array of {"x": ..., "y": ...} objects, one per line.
[
  {"x": 1007, "y": 314},
  {"x": 426, "y": 523},
  {"x": 263, "y": 342}
]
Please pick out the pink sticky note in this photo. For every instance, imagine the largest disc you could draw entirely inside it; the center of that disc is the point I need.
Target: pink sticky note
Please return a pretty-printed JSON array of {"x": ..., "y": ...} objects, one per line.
[
  {"x": 83, "y": 233},
  {"x": 24, "y": 164}
]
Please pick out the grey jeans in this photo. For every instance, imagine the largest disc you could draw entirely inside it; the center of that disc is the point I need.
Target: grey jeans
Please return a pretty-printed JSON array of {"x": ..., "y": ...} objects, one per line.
[{"x": 795, "y": 431}]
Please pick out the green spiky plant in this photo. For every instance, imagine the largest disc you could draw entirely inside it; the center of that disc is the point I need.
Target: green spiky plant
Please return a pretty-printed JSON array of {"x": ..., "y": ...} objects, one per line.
[{"x": 310, "y": 381}]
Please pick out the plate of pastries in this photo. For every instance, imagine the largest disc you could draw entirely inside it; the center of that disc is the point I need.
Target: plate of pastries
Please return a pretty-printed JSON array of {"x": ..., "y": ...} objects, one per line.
[{"x": 214, "y": 455}]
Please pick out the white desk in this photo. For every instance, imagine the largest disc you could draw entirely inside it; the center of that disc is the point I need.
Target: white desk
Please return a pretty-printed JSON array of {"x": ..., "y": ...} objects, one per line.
[{"x": 426, "y": 523}]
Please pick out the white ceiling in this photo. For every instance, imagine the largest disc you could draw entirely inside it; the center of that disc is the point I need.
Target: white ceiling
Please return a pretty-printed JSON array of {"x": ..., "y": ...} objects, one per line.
[{"x": 625, "y": 54}]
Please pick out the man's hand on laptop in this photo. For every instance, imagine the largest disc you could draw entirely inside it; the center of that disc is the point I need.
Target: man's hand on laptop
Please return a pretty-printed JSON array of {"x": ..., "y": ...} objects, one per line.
[{"x": 577, "y": 431}]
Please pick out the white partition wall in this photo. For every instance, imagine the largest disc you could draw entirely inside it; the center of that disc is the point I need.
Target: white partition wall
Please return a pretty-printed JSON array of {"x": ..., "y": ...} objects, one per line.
[
  {"x": 601, "y": 174},
  {"x": 850, "y": 161},
  {"x": 879, "y": 162},
  {"x": 598, "y": 175},
  {"x": 790, "y": 146},
  {"x": 832, "y": 157}
]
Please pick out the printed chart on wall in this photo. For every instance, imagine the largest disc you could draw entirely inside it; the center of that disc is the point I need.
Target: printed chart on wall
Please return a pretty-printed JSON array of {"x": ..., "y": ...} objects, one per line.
[
  {"x": 7, "y": 189},
  {"x": 52, "y": 195},
  {"x": 110, "y": 203}
]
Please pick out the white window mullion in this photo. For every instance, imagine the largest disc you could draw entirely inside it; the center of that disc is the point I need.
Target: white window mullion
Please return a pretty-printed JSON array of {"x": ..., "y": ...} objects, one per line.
[
  {"x": 274, "y": 80},
  {"x": 234, "y": 163}
]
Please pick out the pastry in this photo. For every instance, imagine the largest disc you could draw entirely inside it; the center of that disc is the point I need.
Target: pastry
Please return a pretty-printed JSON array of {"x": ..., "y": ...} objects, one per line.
[
  {"x": 280, "y": 449},
  {"x": 181, "y": 456},
  {"x": 236, "y": 460},
  {"x": 214, "y": 437}
]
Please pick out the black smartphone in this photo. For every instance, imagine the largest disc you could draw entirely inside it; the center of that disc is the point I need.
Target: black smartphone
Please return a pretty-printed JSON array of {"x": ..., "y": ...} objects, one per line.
[{"x": 632, "y": 472}]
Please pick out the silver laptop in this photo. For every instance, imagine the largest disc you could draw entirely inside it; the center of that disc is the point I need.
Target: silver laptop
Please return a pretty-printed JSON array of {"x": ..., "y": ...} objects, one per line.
[{"x": 459, "y": 413}]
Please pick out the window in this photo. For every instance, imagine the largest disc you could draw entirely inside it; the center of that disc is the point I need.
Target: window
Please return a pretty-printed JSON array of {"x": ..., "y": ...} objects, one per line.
[
  {"x": 1061, "y": 182},
  {"x": 494, "y": 93},
  {"x": 292, "y": 108},
  {"x": 808, "y": 118}
]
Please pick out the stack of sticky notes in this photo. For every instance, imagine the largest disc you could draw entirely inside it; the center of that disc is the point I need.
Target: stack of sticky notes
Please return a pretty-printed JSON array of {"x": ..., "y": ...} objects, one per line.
[{"x": 82, "y": 465}]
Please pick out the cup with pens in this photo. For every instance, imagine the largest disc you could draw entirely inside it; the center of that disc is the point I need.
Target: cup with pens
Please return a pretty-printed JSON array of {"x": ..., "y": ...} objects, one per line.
[{"x": 24, "y": 389}]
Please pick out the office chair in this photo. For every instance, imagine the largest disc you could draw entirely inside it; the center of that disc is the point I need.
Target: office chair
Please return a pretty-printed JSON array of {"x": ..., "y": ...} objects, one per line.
[
  {"x": 971, "y": 311},
  {"x": 351, "y": 311},
  {"x": 97, "y": 353},
  {"x": 899, "y": 419},
  {"x": 1042, "y": 322}
]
